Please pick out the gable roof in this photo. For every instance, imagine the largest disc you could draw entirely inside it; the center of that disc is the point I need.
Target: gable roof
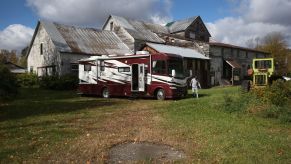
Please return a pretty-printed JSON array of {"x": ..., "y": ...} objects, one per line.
[
  {"x": 140, "y": 30},
  {"x": 180, "y": 25},
  {"x": 91, "y": 41},
  {"x": 184, "y": 52}
]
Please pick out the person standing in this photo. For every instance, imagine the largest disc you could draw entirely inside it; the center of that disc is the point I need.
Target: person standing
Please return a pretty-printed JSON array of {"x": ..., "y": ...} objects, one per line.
[{"x": 195, "y": 84}]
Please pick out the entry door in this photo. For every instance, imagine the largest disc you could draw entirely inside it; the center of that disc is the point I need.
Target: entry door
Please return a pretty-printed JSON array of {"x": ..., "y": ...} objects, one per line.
[
  {"x": 141, "y": 79},
  {"x": 137, "y": 78}
]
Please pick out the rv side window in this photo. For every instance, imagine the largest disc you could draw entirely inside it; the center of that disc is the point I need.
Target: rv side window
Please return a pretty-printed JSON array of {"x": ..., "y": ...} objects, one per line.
[
  {"x": 102, "y": 65},
  {"x": 87, "y": 67},
  {"x": 159, "y": 66},
  {"x": 123, "y": 69}
]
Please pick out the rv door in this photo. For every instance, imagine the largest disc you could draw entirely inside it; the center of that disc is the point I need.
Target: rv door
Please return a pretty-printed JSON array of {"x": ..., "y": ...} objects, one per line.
[
  {"x": 137, "y": 78},
  {"x": 141, "y": 78}
]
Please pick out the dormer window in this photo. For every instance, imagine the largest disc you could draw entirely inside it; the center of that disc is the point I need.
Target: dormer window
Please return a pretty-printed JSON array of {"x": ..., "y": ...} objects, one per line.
[{"x": 41, "y": 48}]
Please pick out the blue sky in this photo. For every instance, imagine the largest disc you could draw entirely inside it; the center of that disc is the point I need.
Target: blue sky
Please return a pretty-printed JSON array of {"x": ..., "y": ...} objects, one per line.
[
  {"x": 229, "y": 21},
  {"x": 19, "y": 12}
]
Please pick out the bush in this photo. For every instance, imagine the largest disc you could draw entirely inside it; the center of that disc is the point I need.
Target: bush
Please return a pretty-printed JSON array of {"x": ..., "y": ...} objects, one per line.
[
  {"x": 276, "y": 100},
  {"x": 66, "y": 82},
  {"x": 278, "y": 93},
  {"x": 235, "y": 104},
  {"x": 27, "y": 80},
  {"x": 8, "y": 83}
]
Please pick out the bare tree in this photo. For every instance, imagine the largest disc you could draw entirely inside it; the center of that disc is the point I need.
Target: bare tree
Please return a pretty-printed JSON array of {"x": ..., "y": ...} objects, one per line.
[{"x": 276, "y": 45}]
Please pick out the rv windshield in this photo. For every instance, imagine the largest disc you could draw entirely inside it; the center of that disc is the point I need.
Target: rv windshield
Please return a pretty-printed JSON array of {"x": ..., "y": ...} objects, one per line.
[{"x": 176, "y": 65}]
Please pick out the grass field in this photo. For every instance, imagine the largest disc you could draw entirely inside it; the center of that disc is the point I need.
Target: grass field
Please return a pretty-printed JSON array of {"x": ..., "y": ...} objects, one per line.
[{"x": 59, "y": 126}]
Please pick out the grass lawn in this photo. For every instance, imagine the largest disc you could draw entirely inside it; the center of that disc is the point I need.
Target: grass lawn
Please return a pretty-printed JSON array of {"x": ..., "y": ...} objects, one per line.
[{"x": 60, "y": 126}]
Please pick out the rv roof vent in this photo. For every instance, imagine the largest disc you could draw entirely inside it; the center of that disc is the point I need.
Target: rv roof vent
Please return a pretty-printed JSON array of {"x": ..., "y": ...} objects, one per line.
[{"x": 142, "y": 52}]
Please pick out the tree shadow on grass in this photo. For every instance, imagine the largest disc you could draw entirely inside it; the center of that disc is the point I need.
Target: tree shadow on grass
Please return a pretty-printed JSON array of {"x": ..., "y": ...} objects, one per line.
[
  {"x": 47, "y": 103},
  {"x": 188, "y": 96}
]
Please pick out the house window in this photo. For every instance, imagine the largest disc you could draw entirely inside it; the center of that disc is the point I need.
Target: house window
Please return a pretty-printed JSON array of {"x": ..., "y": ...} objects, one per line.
[
  {"x": 41, "y": 48},
  {"x": 111, "y": 26},
  {"x": 123, "y": 69},
  {"x": 87, "y": 67},
  {"x": 31, "y": 69},
  {"x": 102, "y": 66},
  {"x": 159, "y": 66},
  {"x": 192, "y": 35},
  {"x": 74, "y": 67}
]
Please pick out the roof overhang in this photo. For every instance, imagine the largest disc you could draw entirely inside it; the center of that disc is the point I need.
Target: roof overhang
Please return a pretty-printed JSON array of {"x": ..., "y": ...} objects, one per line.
[{"x": 233, "y": 64}]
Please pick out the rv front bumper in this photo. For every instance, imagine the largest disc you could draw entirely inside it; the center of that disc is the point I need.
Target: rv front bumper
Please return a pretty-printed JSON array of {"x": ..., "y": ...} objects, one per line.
[{"x": 177, "y": 92}]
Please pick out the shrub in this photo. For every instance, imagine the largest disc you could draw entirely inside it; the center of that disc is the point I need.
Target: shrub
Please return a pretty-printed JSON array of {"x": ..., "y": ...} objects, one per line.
[
  {"x": 8, "y": 84},
  {"x": 278, "y": 93},
  {"x": 27, "y": 80},
  {"x": 66, "y": 82},
  {"x": 235, "y": 104}
]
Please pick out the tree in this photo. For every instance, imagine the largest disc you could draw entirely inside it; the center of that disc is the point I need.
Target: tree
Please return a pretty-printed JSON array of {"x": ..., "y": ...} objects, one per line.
[
  {"x": 8, "y": 83},
  {"x": 276, "y": 45},
  {"x": 23, "y": 57},
  {"x": 8, "y": 56}
]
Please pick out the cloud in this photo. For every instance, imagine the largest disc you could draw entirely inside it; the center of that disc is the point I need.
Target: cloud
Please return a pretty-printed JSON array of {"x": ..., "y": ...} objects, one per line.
[
  {"x": 15, "y": 37},
  {"x": 256, "y": 19},
  {"x": 95, "y": 12}
]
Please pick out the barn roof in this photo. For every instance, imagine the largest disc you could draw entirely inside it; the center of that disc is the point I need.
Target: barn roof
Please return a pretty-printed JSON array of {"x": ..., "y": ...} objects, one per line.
[
  {"x": 218, "y": 44},
  {"x": 14, "y": 68},
  {"x": 184, "y": 52},
  {"x": 141, "y": 30},
  {"x": 180, "y": 25},
  {"x": 91, "y": 41}
]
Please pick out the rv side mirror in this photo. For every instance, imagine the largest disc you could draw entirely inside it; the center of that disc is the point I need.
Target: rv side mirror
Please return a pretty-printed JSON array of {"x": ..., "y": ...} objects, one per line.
[
  {"x": 190, "y": 73},
  {"x": 173, "y": 72}
]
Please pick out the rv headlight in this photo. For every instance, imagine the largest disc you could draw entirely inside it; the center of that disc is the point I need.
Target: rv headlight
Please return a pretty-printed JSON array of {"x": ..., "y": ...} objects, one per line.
[{"x": 173, "y": 88}]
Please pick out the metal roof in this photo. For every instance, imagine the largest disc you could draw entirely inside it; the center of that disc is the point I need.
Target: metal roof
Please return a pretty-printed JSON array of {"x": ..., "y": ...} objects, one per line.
[
  {"x": 141, "y": 30},
  {"x": 218, "y": 44},
  {"x": 84, "y": 40},
  {"x": 233, "y": 63},
  {"x": 180, "y": 25},
  {"x": 184, "y": 52}
]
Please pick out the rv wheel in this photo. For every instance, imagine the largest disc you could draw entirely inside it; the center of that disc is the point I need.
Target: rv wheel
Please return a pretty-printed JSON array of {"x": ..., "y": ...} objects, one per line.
[
  {"x": 161, "y": 94},
  {"x": 105, "y": 93}
]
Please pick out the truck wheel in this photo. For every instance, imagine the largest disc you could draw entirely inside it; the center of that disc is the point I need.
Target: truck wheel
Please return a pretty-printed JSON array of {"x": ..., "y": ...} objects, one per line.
[
  {"x": 246, "y": 85},
  {"x": 105, "y": 93},
  {"x": 160, "y": 94}
]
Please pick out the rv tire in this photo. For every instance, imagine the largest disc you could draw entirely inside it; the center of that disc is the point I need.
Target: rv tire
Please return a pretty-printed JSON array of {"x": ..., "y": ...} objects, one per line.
[
  {"x": 160, "y": 95},
  {"x": 105, "y": 93}
]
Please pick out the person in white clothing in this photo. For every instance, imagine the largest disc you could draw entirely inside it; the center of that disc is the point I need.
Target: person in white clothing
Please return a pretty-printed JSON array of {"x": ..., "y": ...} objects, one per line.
[{"x": 195, "y": 85}]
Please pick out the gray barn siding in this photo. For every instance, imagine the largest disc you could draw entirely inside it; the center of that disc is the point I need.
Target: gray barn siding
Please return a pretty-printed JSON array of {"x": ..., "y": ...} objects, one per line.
[
  {"x": 68, "y": 59},
  {"x": 49, "y": 57}
]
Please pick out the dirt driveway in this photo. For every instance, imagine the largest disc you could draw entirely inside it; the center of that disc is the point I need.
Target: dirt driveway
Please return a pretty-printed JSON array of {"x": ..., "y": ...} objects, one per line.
[{"x": 137, "y": 122}]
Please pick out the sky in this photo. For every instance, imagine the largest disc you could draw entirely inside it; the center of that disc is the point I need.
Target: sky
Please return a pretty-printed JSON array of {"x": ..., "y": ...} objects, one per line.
[{"x": 229, "y": 21}]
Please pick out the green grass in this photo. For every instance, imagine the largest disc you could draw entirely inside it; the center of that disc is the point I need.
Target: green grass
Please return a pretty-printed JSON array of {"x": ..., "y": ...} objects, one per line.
[
  {"x": 40, "y": 123},
  {"x": 226, "y": 137}
]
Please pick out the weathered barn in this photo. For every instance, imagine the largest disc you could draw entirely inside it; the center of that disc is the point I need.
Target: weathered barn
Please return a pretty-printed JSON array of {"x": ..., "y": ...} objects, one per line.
[
  {"x": 56, "y": 48},
  {"x": 228, "y": 63}
]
